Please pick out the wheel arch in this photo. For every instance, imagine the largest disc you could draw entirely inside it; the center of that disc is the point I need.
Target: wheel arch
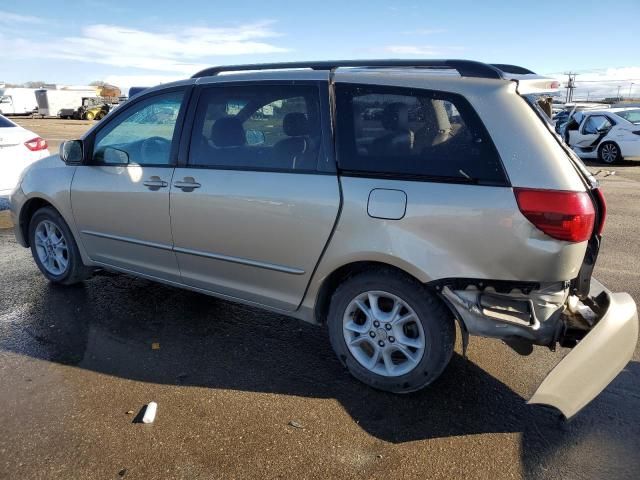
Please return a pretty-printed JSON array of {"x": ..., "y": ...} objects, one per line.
[
  {"x": 27, "y": 211},
  {"x": 344, "y": 272},
  {"x": 604, "y": 142}
]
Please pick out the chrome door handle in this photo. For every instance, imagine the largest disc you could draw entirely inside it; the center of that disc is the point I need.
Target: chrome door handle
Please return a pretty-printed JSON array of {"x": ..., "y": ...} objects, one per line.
[
  {"x": 154, "y": 183},
  {"x": 188, "y": 184}
]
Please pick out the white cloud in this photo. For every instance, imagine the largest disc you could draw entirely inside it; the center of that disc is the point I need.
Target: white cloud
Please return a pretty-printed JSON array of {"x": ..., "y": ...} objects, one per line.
[
  {"x": 428, "y": 50},
  {"x": 11, "y": 18},
  {"x": 181, "y": 49}
]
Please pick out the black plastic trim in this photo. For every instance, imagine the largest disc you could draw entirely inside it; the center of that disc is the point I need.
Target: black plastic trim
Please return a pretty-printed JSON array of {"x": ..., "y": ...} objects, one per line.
[{"x": 466, "y": 68}]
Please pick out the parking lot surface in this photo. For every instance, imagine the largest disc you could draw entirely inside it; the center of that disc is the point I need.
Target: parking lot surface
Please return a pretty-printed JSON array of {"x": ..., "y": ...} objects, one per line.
[{"x": 246, "y": 394}]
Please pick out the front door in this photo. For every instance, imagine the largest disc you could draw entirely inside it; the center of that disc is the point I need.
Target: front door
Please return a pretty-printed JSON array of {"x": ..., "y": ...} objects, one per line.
[
  {"x": 252, "y": 210},
  {"x": 120, "y": 199}
]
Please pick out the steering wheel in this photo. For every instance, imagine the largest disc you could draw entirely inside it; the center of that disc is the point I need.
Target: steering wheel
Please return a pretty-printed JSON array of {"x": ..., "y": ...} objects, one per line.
[{"x": 155, "y": 150}]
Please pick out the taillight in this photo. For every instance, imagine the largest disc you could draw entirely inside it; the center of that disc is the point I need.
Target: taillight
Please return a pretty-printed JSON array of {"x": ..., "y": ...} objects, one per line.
[
  {"x": 563, "y": 215},
  {"x": 36, "y": 144},
  {"x": 602, "y": 207}
]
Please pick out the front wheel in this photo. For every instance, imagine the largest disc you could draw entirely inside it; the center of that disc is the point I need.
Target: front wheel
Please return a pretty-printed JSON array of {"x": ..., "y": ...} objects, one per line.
[
  {"x": 54, "y": 249},
  {"x": 609, "y": 153},
  {"x": 390, "y": 331}
]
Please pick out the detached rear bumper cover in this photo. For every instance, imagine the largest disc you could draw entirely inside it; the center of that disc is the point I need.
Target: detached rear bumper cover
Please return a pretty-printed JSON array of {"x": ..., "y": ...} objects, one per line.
[{"x": 596, "y": 360}]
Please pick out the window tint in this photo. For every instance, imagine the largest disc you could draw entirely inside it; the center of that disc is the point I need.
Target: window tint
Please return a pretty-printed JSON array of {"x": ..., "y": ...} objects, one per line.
[
  {"x": 398, "y": 131},
  {"x": 257, "y": 127},
  {"x": 596, "y": 124},
  {"x": 142, "y": 135}
]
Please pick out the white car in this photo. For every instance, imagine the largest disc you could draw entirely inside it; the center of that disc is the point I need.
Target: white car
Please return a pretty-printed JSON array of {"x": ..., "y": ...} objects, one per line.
[
  {"x": 607, "y": 135},
  {"x": 19, "y": 148}
]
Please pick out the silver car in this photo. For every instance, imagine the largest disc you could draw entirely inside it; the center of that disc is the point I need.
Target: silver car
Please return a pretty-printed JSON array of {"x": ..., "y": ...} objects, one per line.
[{"x": 389, "y": 200}]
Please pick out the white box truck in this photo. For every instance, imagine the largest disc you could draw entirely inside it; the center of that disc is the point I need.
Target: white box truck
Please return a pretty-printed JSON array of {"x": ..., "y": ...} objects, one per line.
[
  {"x": 62, "y": 102},
  {"x": 17, "y": 101}
]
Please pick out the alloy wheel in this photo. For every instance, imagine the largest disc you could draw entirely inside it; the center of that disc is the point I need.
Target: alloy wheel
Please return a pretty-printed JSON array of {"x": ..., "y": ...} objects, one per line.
[
  {"x": 383, "y": 333},
  {"x": 51, "y": 248},
  {"x": 609, "y": 153}
]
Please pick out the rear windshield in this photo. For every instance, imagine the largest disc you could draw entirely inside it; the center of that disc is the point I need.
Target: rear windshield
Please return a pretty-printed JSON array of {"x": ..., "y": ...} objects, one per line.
[
  {"x": 5, "y": 122},
  {"x": 632, "y": 116}
]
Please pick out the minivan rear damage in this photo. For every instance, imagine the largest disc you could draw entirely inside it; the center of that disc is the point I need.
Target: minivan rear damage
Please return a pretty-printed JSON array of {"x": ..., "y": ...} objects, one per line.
[{"x": 602, "y": 331}]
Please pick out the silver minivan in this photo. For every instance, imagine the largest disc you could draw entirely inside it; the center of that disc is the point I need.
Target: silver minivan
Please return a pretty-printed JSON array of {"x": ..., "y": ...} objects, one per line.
[{"x": 389, "y": 199}]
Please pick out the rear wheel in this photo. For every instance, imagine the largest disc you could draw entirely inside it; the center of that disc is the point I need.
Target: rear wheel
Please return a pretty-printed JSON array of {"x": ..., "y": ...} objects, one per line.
[
  {"x": 54, "y": 249},
  {"x": 390, "y": 331},
  {"x": 89, "y": 116},
  {"x": 609, "y": 152}
]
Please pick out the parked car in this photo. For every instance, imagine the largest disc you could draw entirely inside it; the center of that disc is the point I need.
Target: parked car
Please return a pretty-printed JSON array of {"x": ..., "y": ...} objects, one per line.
[
  {"x": 19, "y": 148},
  {"x": 271, "y": 188},
  {"x": 607, "y": 135}
]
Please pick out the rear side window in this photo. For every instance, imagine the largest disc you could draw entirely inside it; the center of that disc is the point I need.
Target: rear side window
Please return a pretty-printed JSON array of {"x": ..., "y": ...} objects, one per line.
[
  {"x": 258, "y": 127},
  {"x": 596, "y": 124},
  {"x": 413, "y": 133}
]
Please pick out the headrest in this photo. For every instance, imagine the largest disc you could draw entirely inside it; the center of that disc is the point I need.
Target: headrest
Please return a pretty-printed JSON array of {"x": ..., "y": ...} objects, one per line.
[
  {"x": 395, "y": 117},
  {"x": 228, "y": 132},
  {"x": 296, "y": 124}
]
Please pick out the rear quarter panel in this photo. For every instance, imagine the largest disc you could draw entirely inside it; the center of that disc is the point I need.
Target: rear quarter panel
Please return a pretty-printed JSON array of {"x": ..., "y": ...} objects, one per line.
[{"x": 448, "y": 231}]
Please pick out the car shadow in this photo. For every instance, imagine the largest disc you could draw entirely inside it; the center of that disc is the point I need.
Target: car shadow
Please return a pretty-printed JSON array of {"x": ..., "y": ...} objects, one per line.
[
  {"x": 610, "y": 166},
  {"x": 111, "y": 323}
]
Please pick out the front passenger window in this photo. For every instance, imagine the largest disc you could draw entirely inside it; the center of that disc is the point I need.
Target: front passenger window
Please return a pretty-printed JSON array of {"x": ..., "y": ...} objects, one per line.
[{"x": 141, "y": 136}]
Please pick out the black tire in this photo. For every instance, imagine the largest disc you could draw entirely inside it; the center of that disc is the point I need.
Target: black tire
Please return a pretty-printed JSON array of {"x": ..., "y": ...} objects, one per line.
[
  {"x": 75, "y": 270},
  {"x": 605, "y": 152},
  {"x": 436, "y": 320}
]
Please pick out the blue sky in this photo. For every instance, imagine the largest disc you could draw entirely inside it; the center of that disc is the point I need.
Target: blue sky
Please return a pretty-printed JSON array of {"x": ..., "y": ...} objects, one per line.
[{"x": 133, "y": 42}]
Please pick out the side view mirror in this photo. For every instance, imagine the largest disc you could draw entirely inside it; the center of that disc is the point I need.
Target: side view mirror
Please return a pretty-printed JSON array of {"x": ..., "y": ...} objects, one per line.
[
  {"x": 255, "y": 137},
  {"x": 72, "y": 152},
  {"x": 115, "y": 156}
]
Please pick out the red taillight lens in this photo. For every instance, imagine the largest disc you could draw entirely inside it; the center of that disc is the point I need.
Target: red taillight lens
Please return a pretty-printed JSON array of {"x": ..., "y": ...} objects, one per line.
[
  {"x": 602, "y": 204},
  {"x": 36, "y": 144},
  {"x": 563, "y": 215}
]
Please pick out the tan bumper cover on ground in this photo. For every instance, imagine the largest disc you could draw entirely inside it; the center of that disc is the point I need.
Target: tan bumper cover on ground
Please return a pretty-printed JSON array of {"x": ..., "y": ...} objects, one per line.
[{"x": 596, "y": 360}]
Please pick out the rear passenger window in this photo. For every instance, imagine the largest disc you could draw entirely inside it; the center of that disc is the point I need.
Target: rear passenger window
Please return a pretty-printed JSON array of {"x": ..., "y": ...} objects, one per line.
[
  {"x": 257, "y": 128},
  {"x": 410, "y": 132}
]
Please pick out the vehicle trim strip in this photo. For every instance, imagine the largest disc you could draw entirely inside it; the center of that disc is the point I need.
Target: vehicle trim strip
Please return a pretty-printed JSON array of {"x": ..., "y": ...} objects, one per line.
[
  {"x": 199, "y": 253},
  {"x": 240, "y": 260},
  {"x": 160, "y": 246}
]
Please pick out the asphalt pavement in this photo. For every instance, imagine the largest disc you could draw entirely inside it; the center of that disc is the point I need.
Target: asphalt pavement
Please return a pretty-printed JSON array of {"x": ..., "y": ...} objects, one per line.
[{"x": 243, "y": 393}]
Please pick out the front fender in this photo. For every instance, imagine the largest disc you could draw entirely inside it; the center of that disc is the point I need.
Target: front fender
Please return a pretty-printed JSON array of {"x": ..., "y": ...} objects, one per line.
[{"x": 48, "y": 180}]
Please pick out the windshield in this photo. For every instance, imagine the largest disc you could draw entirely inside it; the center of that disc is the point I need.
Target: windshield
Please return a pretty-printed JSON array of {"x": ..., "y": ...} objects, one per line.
[{"x": 632, "y": 116}]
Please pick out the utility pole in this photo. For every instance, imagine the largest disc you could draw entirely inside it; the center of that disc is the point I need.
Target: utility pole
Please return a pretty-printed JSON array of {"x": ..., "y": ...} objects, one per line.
[
  {"x": 618, "y": 95},
  {"x": 630, "y": 86},
  {"x": 571, "y": 85}
]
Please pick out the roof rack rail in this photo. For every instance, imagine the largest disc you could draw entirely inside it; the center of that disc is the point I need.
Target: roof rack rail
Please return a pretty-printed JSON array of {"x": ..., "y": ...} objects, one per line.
[
  {"x": 466, "y": 68},
  {"x": 513, "y": 69}
]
